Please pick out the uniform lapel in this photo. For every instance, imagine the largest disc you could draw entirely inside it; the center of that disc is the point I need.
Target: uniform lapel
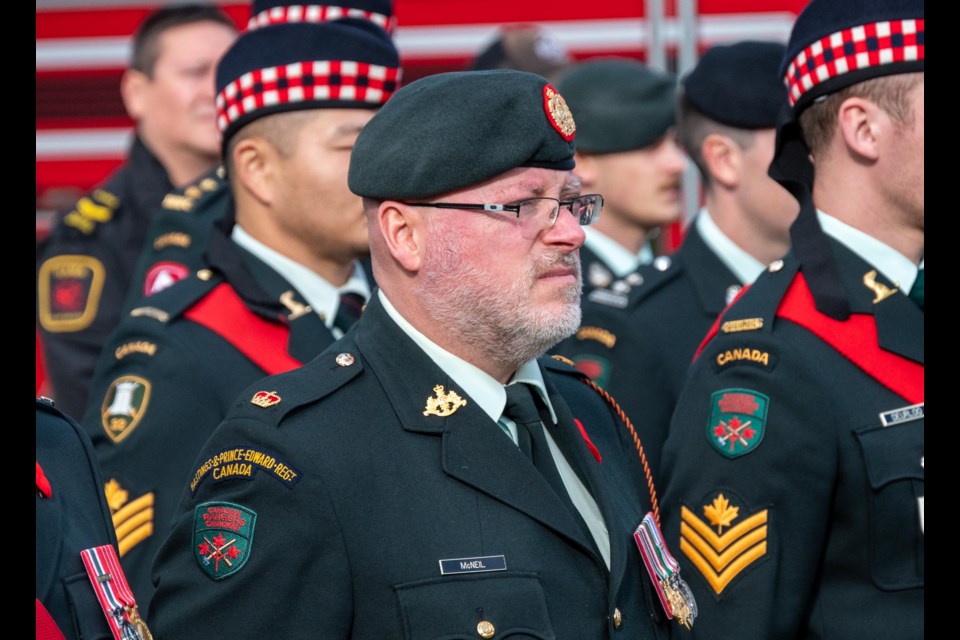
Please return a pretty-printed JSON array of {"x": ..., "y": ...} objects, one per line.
[
  {"x": 711, "y": 278},
  {"x": 899, "y": 321},
  {"x": 473, "y": 450},
  {"x": 567, "y": 436}
]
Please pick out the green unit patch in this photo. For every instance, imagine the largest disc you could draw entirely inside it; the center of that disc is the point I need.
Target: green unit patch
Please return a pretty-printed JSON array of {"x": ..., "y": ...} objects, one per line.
[
  {"x": 222, "y": 537},
  {"x": 737, "y": 421}
]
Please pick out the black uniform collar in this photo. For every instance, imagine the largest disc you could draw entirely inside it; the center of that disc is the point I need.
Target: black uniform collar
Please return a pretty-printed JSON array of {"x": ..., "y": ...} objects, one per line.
[
  {"x": 149, "y": 178},
  {"x": 710, "y": 276}
]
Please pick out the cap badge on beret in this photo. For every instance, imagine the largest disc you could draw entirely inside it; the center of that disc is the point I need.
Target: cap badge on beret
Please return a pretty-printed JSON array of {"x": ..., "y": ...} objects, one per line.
[
  {"x": 558, "y": 113},
  {"x": 852, "y": 49},
  {"x": 317, "y": 13}
]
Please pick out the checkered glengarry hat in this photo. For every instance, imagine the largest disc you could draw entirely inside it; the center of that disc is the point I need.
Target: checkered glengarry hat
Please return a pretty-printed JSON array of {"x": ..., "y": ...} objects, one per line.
[
  {"x": 347, "y": 64},
  {"x": 837, "y": 44},
  {"x": 271, "y": 12},
  {"x": 834, "y": 45}
]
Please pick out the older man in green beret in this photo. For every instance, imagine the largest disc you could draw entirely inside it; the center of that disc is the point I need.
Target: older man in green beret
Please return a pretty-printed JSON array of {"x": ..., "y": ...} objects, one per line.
[
  {"x": 627, "y": 150},
  {"x": 430, "y": 475}
]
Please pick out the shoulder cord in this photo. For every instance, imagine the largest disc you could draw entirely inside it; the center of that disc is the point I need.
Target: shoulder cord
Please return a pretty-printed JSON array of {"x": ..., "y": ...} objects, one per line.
[{"x": 636, "y": 441}]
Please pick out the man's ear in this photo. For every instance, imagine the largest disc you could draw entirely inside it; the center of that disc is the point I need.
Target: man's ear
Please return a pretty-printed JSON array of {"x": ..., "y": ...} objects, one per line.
[
  {"x": 860, "y": 122},
  {"x": 134, "y": 90},
  {"x": 723, "y": 159},
  {"x": 404, "y": 232},
  {"x": 254, "y": 163}
]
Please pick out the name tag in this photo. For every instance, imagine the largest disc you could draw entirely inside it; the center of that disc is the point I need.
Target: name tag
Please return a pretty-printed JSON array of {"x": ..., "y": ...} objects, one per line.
[
  {"x": 472, "y": 565},
  {"x": 901, "y": 415}
]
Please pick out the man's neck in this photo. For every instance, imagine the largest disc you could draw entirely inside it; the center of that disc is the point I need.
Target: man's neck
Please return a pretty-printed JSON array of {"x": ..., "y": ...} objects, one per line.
[
  {"x": 762, "y": 244},
  {"x": 629, "y": 235}
]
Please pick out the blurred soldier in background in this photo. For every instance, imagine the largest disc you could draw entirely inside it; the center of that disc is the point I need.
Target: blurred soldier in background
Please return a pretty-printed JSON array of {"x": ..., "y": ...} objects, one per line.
[
  {"x": 85, "y": 267},
  {"x": 627, "y": 151},
  {"x": 728, "y": 108},
  {"x": 281, "y": 279}
]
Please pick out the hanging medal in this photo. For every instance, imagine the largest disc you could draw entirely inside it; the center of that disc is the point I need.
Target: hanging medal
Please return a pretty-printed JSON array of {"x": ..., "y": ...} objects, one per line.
[
  {"x": 674, "y": 593},
  {"x": 114, "y": 594}
]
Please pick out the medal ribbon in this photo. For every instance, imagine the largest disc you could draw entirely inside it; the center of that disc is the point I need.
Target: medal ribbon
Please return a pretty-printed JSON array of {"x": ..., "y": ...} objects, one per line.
[
  {"x": 660, "y": 564},
  {"x": 112, "y": 589}
]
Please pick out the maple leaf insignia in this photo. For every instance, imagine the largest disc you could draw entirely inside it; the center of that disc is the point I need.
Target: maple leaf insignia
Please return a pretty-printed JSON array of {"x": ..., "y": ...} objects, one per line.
[
  {"x": 719, "y": 431},
  {"x": 720, "y": 513},
  {"x": 204, "y": 548},
  {"x": 219, "y": 540},
  {"x": 233, "y": 553}
]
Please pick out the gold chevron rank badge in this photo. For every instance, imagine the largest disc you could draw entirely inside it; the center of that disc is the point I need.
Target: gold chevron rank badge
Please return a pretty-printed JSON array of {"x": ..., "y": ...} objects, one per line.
[{"x": 725, "y": 542}]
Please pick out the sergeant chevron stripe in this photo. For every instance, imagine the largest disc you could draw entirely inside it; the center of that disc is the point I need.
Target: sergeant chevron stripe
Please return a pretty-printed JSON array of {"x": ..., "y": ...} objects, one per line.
[
  {"x": 132, "y": 521},
  {"x": 721, "y": 557}
]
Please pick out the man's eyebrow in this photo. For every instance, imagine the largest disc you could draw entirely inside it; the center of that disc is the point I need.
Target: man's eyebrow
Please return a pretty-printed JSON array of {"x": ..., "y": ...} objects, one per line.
[
  {"x": 571, "y": 187},
  {"x": 348, "y": 128}
]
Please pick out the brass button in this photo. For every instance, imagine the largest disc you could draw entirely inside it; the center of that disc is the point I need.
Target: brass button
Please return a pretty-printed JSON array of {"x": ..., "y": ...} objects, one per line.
[
  {"x": 204, "y": 274},
  {"x": 775, "y": 266},
  {"x": 485, "y": 629},
  {"x": 345, "y": 359},
  {"x": 617, "y": 618}
]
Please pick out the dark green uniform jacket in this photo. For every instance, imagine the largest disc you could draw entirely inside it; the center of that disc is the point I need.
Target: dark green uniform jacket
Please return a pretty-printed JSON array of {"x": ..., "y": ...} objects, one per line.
[
  {"x": 354, "y": 512},
  {"x": 641, "y": 353},
  {"x": 85, "y": 268},
  {"x": 794, "y": 465},
  {"x": 72, "y": 515},
  {"x": 169, "y": 373}
]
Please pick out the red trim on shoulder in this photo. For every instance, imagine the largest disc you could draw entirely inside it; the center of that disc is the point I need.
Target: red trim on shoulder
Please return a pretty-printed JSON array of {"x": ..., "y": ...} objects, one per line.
[
  {"x": 716, "y": 323},
  {"x": 263, "y": 342},
  {"x": 855, "y": 339}
]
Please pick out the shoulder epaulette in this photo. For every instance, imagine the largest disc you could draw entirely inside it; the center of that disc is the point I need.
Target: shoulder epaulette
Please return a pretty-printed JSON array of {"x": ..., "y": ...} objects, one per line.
[
  {"x": 756, "y": 306},
  {"x": 91, "y": 210},
  {"x": 273, "y": 397},
  {"x": 189, "y": 197},
  {"x": 173, "y": 301}
]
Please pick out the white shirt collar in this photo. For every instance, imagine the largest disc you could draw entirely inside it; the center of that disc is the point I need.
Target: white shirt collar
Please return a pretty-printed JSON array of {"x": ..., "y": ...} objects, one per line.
[
  {"x": 743, "y": 265},
  {"x": 479, "y": 385},
  {"x": 620, "y": 261},
  {"x": 323, "y": 297},
  {"x": 898, "y": 268}
]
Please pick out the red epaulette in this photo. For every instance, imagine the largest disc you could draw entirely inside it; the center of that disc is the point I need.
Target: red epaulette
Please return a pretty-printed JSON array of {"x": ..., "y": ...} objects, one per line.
[
  {"x": 855, "y": 339},
  {"x": 263, "y": 342}
]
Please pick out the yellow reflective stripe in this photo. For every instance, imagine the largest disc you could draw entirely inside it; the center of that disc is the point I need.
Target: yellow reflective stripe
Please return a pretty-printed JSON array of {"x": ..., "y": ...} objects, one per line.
[
  {"x": 719, "y": 581},
  {"x": 719, "y": 561},
  {"x": 721, "y": 542},
  {"x": 134, "y": 538}
]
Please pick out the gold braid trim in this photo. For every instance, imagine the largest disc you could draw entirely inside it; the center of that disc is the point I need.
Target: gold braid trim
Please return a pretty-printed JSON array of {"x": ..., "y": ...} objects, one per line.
[{"x": 636, "y": 442}]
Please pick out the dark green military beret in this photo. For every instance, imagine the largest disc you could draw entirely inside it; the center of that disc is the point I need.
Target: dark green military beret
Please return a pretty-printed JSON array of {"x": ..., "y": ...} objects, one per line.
[
  {"x": 619, "y": 104},
  {"x": 739, "y": 84},
  {"x": 454, "y": 130}
]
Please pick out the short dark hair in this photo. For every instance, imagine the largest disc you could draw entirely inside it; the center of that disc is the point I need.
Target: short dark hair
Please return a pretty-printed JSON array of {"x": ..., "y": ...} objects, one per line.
[
  {"x": 693, "y": 127},
  {"x": 146, "y": 49}
]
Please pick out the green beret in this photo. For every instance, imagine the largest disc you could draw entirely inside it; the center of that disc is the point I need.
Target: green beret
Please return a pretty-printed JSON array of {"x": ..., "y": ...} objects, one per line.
[
  {"x": 619, "y": 104},
  {"x": 454, "y": 130}
]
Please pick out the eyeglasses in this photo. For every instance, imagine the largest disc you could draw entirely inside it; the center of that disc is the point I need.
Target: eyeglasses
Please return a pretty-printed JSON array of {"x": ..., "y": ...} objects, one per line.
[{"x": 585, "y": 208}]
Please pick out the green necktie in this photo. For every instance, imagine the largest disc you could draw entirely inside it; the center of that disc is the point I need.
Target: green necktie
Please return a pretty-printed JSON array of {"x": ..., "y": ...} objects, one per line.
[{"x": 916, "y": 291}]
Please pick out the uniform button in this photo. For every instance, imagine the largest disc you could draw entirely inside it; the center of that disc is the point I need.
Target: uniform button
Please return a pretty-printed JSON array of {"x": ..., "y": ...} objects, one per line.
[
  {"x": 617, "y": 618},
  {"x": 204, "y": 274},
  {"x": 485, "y": 629},
  {"x": 775, "y": 266},
  {"x": 662, "y": 263},
  {"x": 345, "y": 359},
  {"x": 634, "y": 279}
]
